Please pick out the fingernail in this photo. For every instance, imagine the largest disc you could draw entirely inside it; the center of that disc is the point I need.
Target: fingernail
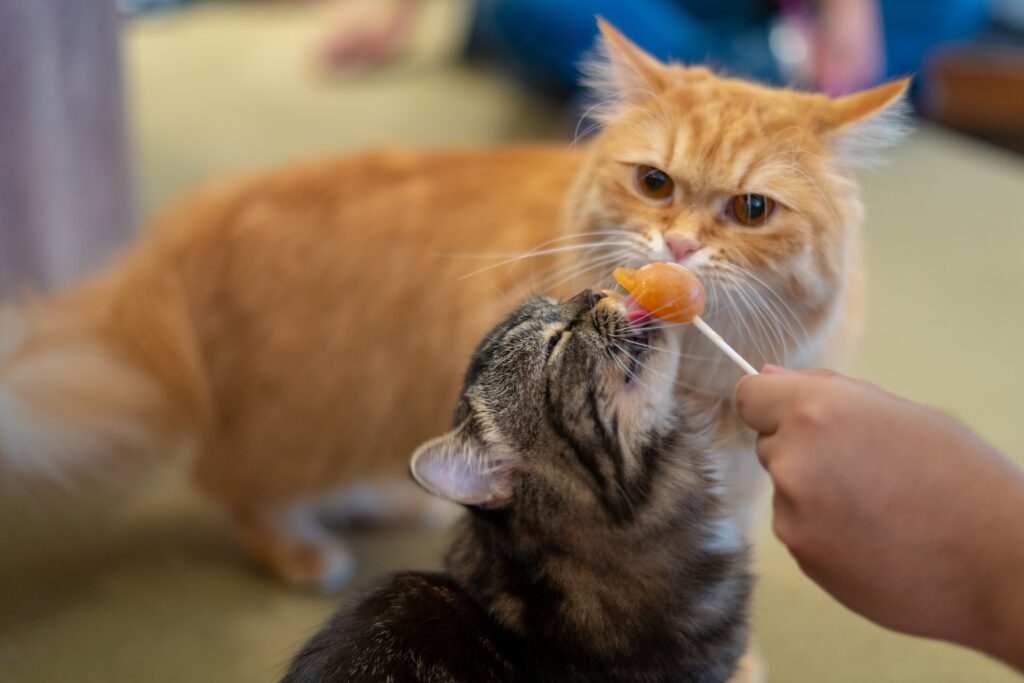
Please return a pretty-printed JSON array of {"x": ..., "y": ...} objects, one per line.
[{"x": 770, "y": 369}]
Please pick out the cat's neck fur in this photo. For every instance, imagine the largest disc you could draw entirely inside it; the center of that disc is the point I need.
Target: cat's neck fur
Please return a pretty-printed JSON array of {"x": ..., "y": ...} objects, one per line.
[{"x": 661, "y": 597}]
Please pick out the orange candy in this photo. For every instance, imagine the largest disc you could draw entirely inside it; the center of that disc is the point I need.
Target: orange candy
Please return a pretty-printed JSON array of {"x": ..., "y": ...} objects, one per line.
[{"x": 666, "y": 290}]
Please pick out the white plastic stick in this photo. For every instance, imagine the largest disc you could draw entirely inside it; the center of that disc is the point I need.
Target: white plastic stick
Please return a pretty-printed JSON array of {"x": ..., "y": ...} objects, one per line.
[{"x": 717, "y": 340}]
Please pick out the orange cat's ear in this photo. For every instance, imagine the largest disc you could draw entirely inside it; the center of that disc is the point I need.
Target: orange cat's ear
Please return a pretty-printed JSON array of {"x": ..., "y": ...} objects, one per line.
[
  {"x": 617, "y": 69},
  {"x": 459, "y": 467},
  {"x": 867, "y": 103},
  {"x": 863, "y": 123}
]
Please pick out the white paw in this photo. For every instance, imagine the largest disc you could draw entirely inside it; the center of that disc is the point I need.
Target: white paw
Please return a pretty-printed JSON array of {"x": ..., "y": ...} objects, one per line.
[{"x": 338, "y": 566}]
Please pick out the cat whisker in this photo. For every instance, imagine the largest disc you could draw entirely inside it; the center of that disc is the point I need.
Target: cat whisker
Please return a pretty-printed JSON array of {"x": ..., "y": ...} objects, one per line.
[
  {"x": 771, "y": 314},
  {"x": 737, "y": 304},
  {"x": 678, "y": 354},
  {"x": 739, "y": 310},
  {"x": 675, "y": 380},
  {"x": 777, "y": 303},
  {"x": 550, "y": 281},
  {"x": 546, "y": 252},
  {"x": 601, "y": 238},
  {"x": 615, "y": 351},
  {"x": 597, "y": 240},
  {"x": 639, "y": 363}
]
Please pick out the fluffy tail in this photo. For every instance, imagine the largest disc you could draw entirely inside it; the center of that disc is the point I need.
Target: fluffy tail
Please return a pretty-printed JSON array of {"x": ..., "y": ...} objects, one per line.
[{"x": 97, "y": 379}]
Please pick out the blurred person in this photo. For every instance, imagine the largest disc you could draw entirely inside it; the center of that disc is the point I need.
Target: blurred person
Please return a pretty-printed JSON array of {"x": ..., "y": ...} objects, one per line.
[
  {"x": 899, "y": 512},
  {"x": 837, "y": 46}
]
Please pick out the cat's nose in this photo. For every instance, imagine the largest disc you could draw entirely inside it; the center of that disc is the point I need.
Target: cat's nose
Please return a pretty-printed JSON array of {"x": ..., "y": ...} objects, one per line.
[
  {"x": 585, "y": 300},
  {"x": 680, "y": 247}
]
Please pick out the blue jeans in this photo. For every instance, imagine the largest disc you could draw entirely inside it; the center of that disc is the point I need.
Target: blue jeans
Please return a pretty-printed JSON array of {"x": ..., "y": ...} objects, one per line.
[{"x": 544, "y": 40}]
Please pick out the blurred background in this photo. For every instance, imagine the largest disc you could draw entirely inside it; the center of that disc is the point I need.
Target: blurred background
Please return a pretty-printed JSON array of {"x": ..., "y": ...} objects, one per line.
[{"x": 109, "y": 110}]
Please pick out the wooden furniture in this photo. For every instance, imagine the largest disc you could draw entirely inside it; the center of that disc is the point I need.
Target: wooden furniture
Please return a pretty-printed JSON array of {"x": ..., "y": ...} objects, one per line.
[{"x": 979, "y": 90}]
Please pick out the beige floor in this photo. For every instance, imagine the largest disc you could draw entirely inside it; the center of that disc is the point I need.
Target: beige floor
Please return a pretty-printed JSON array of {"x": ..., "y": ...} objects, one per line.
[{"x": 152, "y": 588}]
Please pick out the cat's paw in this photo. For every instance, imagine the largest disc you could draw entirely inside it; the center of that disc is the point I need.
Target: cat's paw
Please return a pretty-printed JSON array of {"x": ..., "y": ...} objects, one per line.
[
  {"x": 323, "y": 566},
  {"x": 292, "y": 545}
]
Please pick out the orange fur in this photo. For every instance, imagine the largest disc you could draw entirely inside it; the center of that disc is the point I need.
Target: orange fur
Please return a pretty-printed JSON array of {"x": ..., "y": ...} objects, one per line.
[{"x": 309, "y": 326}]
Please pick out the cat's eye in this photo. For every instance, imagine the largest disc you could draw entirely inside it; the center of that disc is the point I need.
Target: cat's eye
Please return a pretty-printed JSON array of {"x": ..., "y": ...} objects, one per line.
[
  {"x": 654, "y": 183},
  {"x": 751, "y": 209}
]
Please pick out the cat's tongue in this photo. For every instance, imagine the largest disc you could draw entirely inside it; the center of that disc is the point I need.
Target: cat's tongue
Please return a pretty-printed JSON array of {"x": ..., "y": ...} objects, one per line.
[{"x": 635, "y": 313}]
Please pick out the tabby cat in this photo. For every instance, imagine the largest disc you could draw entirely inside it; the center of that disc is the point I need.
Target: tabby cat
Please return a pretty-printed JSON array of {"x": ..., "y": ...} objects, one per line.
[
  {"x": 594, "y": 548},
  {"x": 275, "y": 324}
]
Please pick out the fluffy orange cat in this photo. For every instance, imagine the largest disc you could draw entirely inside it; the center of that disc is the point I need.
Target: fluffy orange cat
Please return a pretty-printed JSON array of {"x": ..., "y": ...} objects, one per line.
[{"x": 305, "y": 329}]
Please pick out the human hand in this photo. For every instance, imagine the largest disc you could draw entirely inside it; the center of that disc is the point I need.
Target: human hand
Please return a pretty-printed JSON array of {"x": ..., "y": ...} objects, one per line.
[
  {"x": 369, "y": 40},
  {"x": 898, "y": 511},
  {"x": 847, "y": 48}
]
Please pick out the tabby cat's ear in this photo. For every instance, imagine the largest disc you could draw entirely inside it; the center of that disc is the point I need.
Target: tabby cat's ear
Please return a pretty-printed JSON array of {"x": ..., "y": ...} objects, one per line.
[
  {"x": 863, "y": 123},
  {"x": 618, "y": 69},
  {"x": 461, "y": 468}
]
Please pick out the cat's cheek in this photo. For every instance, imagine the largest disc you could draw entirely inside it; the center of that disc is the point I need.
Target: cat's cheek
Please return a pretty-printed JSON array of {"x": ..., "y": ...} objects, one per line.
[{"x": 649, "y": 402}]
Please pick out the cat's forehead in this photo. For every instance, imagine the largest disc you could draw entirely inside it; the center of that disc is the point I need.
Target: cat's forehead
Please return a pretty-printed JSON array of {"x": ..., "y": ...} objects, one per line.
[
  {"x": 510, "y": 341},
  {"x": 719, "y": 103},
  {"x": 523, "y": 322},
  {"x": 715, "y": 132},
  {"x": 503, "y": 373}
]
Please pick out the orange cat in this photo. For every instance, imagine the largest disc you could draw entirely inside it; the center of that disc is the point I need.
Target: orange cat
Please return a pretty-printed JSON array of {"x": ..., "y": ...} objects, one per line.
[{"x": 305, "y": 329}]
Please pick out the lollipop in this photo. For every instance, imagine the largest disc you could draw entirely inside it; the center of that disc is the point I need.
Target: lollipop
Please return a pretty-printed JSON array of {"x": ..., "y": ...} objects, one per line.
[{"x": 674, "y": 294}]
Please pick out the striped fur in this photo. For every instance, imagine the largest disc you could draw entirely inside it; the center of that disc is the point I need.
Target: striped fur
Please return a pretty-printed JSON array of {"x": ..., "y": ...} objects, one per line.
[{"x": 599, "y": 556}]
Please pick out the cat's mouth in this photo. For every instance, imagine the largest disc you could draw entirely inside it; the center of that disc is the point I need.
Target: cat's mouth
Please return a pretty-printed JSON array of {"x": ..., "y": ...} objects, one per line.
[
  {"x": 631, "y": 334},
  {"x": 636, "y": 349}
]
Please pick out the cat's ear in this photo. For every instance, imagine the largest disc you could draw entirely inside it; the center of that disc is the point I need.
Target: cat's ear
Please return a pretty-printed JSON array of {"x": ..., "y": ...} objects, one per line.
[
  {"x": 617, "y": 69},
  {"x": 862, "y": 124},
  {"x": 459, "y": 467}
]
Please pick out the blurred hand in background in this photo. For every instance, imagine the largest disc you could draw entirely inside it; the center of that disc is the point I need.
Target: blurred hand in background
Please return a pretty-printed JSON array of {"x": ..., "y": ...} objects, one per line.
[
  {"x": 371, "y": 41},
  {"x": 848, "y": 50}
]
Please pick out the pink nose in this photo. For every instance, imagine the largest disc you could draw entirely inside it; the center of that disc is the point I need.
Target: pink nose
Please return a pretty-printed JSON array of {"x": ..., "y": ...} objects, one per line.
[{"x": 680, "y": 246}]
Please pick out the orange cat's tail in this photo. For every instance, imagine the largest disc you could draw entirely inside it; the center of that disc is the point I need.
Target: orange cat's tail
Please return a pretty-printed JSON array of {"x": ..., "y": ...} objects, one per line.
[{"x": 95, "y": 380}]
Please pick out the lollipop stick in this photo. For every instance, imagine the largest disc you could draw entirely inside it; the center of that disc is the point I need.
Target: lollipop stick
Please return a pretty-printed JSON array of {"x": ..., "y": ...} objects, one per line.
[{"x": 717, "y": 340}]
